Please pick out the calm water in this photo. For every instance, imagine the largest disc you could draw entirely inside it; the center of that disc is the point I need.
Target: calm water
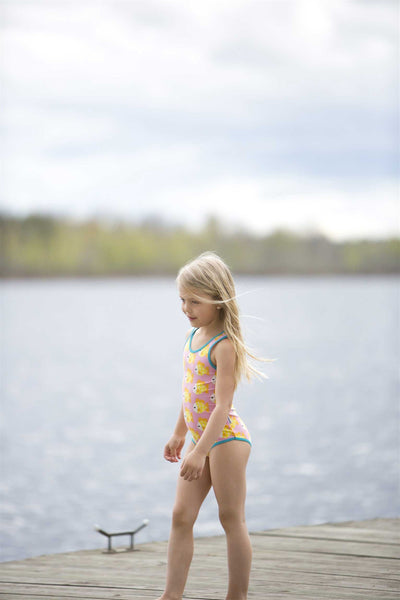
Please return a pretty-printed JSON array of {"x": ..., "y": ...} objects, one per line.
[{"x": 91, "y": 391}]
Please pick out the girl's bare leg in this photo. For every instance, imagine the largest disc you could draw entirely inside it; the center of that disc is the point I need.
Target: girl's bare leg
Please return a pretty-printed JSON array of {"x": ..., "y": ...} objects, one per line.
[
  {"x": 189, "y": 498},
  {"x": 228, "y": 463}
]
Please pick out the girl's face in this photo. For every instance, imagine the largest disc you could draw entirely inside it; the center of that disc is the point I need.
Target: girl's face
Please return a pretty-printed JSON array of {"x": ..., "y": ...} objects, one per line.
[{"x": 200, "y": 314}]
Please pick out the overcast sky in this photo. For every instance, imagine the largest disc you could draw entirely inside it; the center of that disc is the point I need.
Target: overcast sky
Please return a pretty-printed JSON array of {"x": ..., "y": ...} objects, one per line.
[{"x": 274, "y": 113}]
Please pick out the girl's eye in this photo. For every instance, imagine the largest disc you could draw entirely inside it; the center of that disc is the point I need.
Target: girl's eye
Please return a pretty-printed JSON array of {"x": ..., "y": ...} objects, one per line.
[{"x": 189, "y": 300}]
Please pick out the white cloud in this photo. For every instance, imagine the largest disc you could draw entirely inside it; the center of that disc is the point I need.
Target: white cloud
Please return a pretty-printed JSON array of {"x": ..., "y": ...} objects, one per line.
[
  {"x": 186, "y": 109},
  {"x": 295, "y": 203},
  {"x": 246, "y": 50}
]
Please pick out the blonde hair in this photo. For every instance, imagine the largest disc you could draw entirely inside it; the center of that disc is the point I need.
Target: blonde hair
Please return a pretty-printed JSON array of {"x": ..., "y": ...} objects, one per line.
[{"x": 209, "y": 275}]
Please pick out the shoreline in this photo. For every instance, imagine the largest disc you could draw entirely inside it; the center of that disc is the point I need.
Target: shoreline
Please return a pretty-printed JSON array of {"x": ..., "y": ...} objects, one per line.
[{"x": 171, "y": 275}]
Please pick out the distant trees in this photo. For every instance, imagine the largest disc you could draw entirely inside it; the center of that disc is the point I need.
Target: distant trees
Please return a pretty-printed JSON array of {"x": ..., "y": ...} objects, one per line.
[{"x": 44, "y": 246}]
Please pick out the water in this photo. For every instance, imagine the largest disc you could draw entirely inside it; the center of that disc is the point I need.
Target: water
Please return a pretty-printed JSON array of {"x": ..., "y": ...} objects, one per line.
[{"x": 91, "y": 391}]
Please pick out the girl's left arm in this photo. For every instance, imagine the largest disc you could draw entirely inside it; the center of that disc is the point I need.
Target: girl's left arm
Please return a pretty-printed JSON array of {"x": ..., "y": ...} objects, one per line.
[{"x": 193, "y": 463}]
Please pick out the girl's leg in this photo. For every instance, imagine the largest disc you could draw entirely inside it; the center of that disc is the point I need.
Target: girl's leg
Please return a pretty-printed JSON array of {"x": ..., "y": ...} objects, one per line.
[
  {"x": 189, "y": 498},
  {"x": 228, "y": 463}
]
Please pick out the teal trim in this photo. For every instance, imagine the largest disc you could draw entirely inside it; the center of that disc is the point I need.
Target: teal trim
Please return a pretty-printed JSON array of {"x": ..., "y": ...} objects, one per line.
[
  {"x": 209, "y": 341},
  {"x": 188, "y": 336},
  {"x": 191, "y": 337},
  {"x": 225, "y": 337},
  {"x": 232, "y": 440}
]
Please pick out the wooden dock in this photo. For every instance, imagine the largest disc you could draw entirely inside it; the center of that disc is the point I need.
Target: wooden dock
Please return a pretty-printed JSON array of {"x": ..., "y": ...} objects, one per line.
[{"x": 342, "y": 561}]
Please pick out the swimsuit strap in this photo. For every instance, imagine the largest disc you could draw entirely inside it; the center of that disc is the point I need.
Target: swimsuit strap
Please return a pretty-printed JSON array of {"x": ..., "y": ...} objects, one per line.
[
  {"x": 190, "y": 335},
  {"x": 221, "y": 336},
  {"x": 213, "y": 339}
]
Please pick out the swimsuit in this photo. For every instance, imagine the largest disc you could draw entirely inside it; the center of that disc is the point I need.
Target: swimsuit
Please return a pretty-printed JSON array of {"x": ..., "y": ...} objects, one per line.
[{"x": 199, "y": 393}]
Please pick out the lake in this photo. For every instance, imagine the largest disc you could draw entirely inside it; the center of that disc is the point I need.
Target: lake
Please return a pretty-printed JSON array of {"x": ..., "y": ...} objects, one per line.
[{"x": 87, "y": 365}]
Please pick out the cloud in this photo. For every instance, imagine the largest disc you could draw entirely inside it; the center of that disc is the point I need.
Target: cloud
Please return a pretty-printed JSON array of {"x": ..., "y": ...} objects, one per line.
[
  {"x": 264, "y": 205},
  {"x": 174, "y": 108}
]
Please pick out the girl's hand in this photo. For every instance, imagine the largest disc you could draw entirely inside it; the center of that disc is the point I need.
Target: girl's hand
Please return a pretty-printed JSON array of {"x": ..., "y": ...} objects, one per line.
[
  {"x": 192, "y": 466},
  {"x": 173, "y": 448}
]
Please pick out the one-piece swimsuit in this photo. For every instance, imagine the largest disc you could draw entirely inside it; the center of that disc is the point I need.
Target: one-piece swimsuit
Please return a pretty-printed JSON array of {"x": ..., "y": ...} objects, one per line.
[{"x": 199, "y": 379}]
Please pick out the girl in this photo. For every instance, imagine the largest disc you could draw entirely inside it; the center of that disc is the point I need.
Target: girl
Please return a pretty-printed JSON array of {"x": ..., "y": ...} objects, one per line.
[{"x": 220, "y": 442}]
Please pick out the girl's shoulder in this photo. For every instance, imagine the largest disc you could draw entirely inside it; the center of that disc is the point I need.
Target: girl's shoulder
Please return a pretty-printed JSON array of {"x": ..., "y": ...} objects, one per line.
[
  {"x": 224, "y": 345},
  {"x": 224, "y": 351},
  {"x": 189, "y": 333}
]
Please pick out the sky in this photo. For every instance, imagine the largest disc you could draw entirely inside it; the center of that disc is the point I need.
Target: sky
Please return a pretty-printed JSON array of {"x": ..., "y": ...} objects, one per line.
[{"x": 265, "y": 114}]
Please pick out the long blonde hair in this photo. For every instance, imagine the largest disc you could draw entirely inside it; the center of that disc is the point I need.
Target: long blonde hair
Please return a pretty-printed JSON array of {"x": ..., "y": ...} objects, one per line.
[{"x": 209, "y": 275}]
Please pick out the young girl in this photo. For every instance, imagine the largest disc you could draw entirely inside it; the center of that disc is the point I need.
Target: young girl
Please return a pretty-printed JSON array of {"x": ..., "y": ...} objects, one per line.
[{"x": 215, "y": 358}]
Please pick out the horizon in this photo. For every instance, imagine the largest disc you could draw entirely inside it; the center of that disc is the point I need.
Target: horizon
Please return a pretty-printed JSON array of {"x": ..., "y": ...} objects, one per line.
[{"x": 158, "y": 221}]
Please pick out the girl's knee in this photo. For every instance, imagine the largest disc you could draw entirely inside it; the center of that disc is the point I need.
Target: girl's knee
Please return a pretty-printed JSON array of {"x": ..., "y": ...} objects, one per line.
[
  {"x": 183, "y": 516},
  {"x": 231, "y": 517}
]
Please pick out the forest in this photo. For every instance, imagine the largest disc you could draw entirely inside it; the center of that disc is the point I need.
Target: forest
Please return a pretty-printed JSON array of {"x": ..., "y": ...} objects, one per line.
[{"x": 41, "y": 245}]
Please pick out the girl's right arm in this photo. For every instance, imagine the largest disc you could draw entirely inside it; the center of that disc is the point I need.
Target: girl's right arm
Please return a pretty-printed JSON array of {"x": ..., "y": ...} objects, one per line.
[{"x": 172, "y": 450}]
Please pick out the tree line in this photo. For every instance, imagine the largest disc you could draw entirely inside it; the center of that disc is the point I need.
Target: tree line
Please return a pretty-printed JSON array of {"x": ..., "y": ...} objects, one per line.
[{"x": 46, "y": 246}]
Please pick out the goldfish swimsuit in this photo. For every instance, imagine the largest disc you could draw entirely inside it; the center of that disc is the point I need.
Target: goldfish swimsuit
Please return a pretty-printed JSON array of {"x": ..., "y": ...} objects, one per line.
[{"x": 199, "y": 393}]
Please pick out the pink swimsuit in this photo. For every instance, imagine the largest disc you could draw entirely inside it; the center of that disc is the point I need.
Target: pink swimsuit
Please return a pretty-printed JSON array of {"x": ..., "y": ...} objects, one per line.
[{"x": 199, "y": 393}]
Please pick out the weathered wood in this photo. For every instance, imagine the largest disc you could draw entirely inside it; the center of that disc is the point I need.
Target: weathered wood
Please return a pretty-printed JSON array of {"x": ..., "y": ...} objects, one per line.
[
  {"x": 325, "y": 546},
  {"x": 348, "y": 534},
  {"x": 347, "y": 561},
  {"x": 380, "y": 524},
  {"x": 84, "y": 592}
]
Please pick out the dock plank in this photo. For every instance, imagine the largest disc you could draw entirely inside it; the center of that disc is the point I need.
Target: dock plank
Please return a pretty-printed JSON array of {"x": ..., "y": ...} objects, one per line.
[
  {"x": 83, "y": 592},
  {"x": 378, "y": 524},
  {"x": 325, "y": 546},
  {"x": 341, "y": 561},
  {"x": 348, "y": 534}
]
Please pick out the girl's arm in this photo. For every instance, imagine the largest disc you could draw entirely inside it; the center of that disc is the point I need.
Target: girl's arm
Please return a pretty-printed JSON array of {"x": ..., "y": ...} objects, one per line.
[
  {"x": 193, "y": 463},
  {"x": 172, "y": 450}
]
